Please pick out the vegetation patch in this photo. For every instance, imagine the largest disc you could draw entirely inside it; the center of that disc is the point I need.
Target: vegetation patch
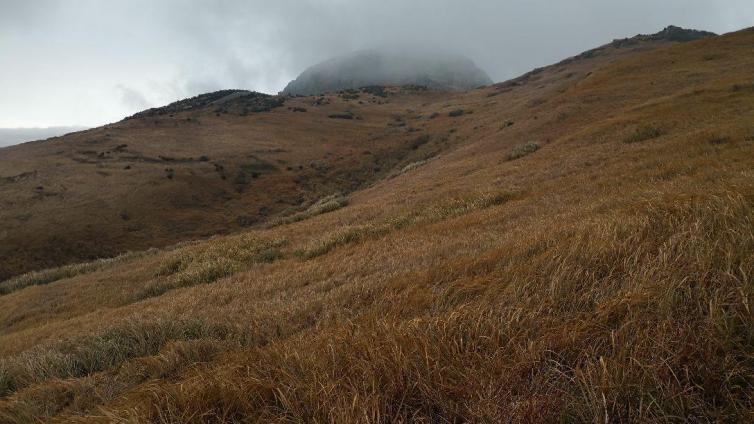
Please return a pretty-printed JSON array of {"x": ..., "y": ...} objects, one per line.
[
  {"x": 344, "y": 115},
  {"x": 742, "y": 87},
  {"x": 206, "y": 263},
  {"x": 413, "y": 165},
  {"x": 375, "y": 90},
  {"x": 644, "y": 133},
  {"x": 323, "y": 205},
  {"x": 456, "y": 113},
  {"x": 506, "y": 124},
  {"x": 718, "y": 140},
  {"x": 523, "y": 150},
  {"x": 83, "y": 356},
  {"x": 428, "y": 215},
  {"x": 349, "y": 94},
  {"x": 47, "y": 276}
]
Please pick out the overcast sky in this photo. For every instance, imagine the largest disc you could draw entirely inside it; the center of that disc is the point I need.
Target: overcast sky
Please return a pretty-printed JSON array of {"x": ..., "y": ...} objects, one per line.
[{"x": 89, "y": 62}]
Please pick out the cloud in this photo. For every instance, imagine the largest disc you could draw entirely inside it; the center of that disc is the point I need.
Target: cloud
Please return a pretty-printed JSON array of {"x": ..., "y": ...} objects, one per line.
[
  {"x": 90, "y": 61},
  {"x": 132, "y": 99}
]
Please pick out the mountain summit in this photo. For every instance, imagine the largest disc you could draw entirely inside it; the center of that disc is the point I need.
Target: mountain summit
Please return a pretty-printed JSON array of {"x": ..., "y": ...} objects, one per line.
[{"x": 389, "y": 67}]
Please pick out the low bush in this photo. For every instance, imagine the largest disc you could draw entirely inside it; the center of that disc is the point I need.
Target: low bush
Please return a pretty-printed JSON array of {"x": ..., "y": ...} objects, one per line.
[
  {"x": 375, "y": 90},
  {"x": 718, "y": 139},
  {"x": 523, "y": 150},
  {"x": 345, "y": 115}
]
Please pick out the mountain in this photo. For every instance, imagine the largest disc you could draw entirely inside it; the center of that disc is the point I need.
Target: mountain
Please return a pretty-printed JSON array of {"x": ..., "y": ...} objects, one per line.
[
  {"x": 378, "y": 67},
  {"x": 572, "y": 245},
  {"x": 10, "y": 136}
]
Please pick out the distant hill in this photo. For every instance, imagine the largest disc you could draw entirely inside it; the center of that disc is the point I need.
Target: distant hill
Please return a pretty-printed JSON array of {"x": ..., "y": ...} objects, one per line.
[
  {"x": 11, "y": 136},
  {"x": 388, "y": 67}
]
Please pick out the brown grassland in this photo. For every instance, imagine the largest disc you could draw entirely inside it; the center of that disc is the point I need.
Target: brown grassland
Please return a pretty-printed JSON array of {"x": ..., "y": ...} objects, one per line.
[{"x": 604, "y": 275}]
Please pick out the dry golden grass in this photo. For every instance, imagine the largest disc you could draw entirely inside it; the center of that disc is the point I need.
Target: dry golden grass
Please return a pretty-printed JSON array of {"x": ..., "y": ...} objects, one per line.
[{"x": 614, "y": 284}]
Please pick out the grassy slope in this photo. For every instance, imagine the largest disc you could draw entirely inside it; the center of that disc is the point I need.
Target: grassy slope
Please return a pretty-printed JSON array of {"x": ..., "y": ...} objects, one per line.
[
  {"x": 604, "y": 276},
  {"x": 154, "y": 181}
]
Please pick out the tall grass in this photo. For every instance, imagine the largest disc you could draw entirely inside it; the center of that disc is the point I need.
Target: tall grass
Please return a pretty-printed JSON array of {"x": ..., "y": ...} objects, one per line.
[
  {"x": 48, "y": 276},
  {"x": 208, "y": 262},
  {"x": 79, "y": 357},
  {"x": 430, "y": 214},
  {"x": 635, "y": 317}
]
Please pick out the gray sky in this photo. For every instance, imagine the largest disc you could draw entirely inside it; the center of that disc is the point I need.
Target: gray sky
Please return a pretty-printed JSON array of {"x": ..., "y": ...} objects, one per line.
[{"x": 89, "y": 62}]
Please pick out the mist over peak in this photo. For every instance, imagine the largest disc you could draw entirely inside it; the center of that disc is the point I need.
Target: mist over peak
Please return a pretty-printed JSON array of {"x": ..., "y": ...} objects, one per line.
[{"x": 390, "y": 66}]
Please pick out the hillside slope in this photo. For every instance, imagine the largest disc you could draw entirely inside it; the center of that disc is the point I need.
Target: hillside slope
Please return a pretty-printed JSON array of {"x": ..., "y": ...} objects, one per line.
[
  {"x": 225, "y": 161},
  {"x": 579, "y": 248},
  {"x": 214, "y": 164}
]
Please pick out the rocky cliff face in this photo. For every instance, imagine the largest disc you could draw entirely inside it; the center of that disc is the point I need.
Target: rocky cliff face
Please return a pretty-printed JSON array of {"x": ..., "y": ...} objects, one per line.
[{"x": 386, "y": 67}]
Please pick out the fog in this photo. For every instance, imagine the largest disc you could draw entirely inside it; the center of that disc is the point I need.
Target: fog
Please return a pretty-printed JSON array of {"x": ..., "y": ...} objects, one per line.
[
  {"x": 11, "y": 136},
  {"x": 89, "y": 62}
]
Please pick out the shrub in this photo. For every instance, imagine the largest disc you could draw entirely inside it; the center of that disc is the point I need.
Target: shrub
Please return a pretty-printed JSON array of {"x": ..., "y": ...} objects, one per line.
[
  {"x": 456, "y": 113},
  {"x": 523, "y": 150},
  {"x": 742, "y": 87},
  {"x": 375, "y": 90},
  {"x": 644, "y": 133},
  {"x": 349, "y": 96},
  {"x": 718, "y": 139},
  {"x": 345, "y": 115}
]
